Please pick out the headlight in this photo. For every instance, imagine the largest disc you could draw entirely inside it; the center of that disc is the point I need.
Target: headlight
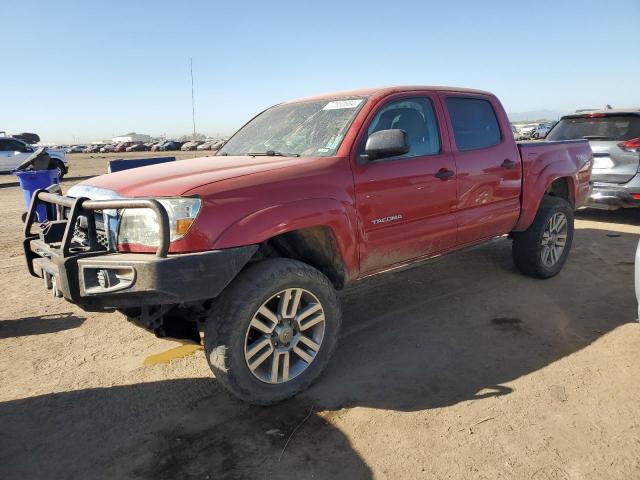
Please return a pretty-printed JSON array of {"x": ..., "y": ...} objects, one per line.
[{"x": 140, "y": 225}]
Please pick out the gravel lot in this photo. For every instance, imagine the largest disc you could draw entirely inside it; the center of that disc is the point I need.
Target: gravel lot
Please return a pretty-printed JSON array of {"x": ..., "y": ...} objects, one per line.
[{"x": 460, "y": 368}]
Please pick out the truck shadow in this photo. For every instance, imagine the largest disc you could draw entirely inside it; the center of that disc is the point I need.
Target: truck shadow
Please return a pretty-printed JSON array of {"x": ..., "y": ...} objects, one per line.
[
  {"x": 461, "y": 328},
  {"x": 39, "y": 325},
  {"x": 186, "y": 428}
]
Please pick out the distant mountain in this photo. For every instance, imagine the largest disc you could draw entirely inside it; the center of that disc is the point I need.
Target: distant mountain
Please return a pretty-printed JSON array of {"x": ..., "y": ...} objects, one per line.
[{"x": 535, "y": 115}]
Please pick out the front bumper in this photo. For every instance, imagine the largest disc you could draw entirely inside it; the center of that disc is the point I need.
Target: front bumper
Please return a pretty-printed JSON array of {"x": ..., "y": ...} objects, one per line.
[
  {"x": 96, "y": 279},
  {"x": 611, "y": 196}
]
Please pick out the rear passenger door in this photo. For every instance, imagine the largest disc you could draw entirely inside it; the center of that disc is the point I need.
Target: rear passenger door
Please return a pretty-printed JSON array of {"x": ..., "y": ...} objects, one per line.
[
  {"x": 489, "y": 168},
  {"x": 405, "y": 203}
]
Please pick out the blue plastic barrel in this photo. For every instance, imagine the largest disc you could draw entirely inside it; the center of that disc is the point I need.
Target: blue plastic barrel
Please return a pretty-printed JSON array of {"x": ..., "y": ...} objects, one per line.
[{"x": 32, "y": 180}]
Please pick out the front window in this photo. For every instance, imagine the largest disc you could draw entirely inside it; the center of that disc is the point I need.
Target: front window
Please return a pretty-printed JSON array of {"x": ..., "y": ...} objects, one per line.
[
  {"x": 416, "y": 117},
  {"x": 309, "y": 128}
]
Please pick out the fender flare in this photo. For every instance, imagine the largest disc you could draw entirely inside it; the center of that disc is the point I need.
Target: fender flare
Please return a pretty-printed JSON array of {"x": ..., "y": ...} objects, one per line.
[
  {"x": 536, "y": 192},
  {"x": 261, "y": 225}
]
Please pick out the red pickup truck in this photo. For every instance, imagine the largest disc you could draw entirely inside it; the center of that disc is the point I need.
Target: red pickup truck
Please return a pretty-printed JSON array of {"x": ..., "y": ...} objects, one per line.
[{"x": 251, "y": 244}]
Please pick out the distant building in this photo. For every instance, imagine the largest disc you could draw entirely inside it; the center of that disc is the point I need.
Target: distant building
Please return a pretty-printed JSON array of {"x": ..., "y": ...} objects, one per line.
[{"x": 132, "y": 138}]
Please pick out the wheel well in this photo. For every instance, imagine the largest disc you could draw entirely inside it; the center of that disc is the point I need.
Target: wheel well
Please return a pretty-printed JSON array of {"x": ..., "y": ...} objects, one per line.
[
  {"x": 560, "y": 188},
  {"x": 315, "y": 246}
]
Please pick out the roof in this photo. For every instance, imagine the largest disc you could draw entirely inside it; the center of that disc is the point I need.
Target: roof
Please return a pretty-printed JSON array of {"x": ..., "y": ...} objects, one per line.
[
  {"x": 384, "y": 91},
  {"x": 610, "y": 111}
]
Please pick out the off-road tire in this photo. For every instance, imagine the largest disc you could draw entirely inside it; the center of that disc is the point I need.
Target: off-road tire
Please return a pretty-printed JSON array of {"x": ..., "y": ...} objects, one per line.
[
  {"x": 232, "y": 312},
  {"x": 527, "y": 248}
]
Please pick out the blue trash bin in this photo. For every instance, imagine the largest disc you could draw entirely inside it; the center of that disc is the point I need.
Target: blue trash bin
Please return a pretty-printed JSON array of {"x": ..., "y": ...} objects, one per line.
[{"x": 32, "y": 180}]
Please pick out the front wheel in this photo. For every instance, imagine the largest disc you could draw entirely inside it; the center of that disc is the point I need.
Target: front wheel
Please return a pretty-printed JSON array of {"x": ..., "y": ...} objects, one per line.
[
  {"x": 272, "y": 331},
  {"x": 61, "y": 169},
  {"x": 542, "y": 249}
]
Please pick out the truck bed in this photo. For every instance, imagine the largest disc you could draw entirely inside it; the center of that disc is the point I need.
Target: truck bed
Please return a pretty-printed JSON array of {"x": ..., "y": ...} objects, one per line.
[{"x": 542, "y": 162}]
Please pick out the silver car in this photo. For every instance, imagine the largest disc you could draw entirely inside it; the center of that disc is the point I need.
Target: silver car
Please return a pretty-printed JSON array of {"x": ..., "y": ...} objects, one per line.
[{"x": 614, "y": 136}]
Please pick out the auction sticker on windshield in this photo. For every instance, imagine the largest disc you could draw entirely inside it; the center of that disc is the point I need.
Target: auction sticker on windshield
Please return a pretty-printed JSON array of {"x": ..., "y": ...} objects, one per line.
[{"x": 338, "y": 104}]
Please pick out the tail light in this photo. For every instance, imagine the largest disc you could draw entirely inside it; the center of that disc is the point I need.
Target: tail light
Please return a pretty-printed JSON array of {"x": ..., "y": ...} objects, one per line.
[{"x": 632, "y": 145}]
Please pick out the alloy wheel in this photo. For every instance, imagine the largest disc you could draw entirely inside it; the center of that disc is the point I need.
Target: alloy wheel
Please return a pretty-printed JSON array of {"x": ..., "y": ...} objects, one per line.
[
  {"x": 284, "y": 336},
  {"x": 554, "y": 239}
]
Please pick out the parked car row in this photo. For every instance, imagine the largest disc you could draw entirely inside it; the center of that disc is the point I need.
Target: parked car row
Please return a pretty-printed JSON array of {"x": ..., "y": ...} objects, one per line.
[
  {"x": 531, "y": 131},
  {"x": 162, "y": 146},
  {"x": 203, "y": 145}
]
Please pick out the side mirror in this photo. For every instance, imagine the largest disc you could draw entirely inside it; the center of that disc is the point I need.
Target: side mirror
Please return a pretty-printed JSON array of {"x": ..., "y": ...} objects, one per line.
[
  {"x": 386, "y": 143},
  {"x": 27, "y": 150}
]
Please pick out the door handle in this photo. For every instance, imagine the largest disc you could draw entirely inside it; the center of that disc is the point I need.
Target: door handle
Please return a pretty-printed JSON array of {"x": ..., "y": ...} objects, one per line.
[
  {"x": 508, "y": 163},
  {"x": 444, "y": 174}
]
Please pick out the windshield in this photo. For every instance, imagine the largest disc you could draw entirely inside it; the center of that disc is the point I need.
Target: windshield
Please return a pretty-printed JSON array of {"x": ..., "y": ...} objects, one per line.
[
  {"x": 605, "y": 127},
  {"x": 311, "y": 128}
]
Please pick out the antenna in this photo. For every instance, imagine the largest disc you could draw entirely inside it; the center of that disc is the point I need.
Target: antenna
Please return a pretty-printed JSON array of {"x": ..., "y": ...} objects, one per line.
[{"x": 193, "y": 103}]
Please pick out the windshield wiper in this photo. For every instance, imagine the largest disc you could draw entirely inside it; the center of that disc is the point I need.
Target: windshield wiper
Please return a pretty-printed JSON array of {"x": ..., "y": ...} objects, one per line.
[{"x": 272, "y": 153}]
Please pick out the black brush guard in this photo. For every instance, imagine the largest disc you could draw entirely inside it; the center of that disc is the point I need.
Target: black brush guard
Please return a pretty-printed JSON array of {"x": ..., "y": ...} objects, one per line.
[
  {"x": 83, "y": 207},
  {"x": 97, "y": 278}
]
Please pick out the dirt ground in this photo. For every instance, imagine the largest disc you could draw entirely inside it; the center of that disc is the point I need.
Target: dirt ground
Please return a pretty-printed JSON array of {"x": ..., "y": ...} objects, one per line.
[{"x": 460, "y": 368}]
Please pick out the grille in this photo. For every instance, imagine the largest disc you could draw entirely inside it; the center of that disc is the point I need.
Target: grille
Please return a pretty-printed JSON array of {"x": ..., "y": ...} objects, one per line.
[
  {"x": 81, "y": 235},
  {"x": 103, "y": 240}
]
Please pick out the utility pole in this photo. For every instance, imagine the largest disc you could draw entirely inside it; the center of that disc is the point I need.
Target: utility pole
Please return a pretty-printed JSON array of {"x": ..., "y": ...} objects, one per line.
[{"x": 193, "y": 103}]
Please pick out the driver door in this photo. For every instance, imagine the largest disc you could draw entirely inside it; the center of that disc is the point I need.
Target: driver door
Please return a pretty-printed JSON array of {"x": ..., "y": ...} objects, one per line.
[{"x": 406, "y": 204}]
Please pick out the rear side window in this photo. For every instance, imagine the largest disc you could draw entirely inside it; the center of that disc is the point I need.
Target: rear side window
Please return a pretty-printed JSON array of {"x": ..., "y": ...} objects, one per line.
[
  {"x": 605, "y": 127},
  {"x": 474, "y": 122}
]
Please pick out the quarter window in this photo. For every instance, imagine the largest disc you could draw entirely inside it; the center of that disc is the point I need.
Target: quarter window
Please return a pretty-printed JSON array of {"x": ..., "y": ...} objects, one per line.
[
  {"x": 474, "y": 123},
  {"x": 416, "y": 117}
]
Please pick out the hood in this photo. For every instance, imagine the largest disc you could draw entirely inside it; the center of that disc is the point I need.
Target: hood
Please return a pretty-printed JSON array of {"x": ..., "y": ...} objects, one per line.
[{"x": 177, "y": 178}]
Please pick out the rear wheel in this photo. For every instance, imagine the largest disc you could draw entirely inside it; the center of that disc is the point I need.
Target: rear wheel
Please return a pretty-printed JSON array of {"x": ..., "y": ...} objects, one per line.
[
  {"x": 272, "y": 331},
  {"x": 543, "y": 248}
]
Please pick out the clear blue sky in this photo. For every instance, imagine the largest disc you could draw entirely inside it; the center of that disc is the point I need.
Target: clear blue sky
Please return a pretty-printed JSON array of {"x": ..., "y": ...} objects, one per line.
[{"x": 92, "y": 69}]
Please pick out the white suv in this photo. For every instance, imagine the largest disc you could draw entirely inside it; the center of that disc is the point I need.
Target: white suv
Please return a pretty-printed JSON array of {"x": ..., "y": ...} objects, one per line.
[{"x": 13, "y": 152}]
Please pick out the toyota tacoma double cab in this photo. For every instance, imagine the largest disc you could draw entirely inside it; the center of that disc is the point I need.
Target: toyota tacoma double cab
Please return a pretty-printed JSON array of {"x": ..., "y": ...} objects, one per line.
[{"x": 249, "y": 246}]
